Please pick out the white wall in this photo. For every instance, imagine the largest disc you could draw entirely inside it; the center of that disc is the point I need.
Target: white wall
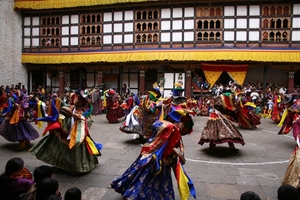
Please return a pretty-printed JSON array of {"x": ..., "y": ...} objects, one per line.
[{"x": 11, "y": 45}]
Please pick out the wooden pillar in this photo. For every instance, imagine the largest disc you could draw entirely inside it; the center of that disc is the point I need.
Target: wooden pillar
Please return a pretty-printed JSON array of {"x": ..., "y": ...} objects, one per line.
[
  {"x": 61, "y": 82},
  {"x": 290, "y": 85},
  {"x": 142, "y": 82},
  {"x": 99, "y": 77},
  {"x": 188, "y": 84}
]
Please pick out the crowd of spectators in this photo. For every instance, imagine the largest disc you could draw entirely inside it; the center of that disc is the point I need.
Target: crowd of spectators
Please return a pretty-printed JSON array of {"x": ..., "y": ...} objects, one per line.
[
  {"x": 18, "y": 183},
  {"x": 262, "y": 97}
]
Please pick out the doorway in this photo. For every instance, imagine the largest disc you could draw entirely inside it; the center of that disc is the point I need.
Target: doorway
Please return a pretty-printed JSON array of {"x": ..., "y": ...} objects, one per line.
[
  {"x": 78, "y": 79},
  {"x": 224, "y": 78},
  {"x": 150, "y": 78},
  {"x": 297, "y": 79},
  {"x": 38, "y": 78}
]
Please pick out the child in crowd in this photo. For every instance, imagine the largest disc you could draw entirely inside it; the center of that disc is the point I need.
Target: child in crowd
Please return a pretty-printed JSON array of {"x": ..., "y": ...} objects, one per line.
[
  {"x": 73, "y": 193},
  {"x": 270, "y": 106},
  {"x": 47, "y": 187},
  {"x": 287, "y": 192},
  {"x": 42, "y": 172},
  {"x": 249, "y": 195},
  {"x": 258, "y": 109}
]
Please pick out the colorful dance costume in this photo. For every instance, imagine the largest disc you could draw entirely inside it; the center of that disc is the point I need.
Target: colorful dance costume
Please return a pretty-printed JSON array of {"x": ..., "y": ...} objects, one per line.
[
  {"x": 142, "y": 116},
  {"x": 291, "y": 120},
  {"x": 16, "y": 126},
  {"x": 149, "y": 177},
  {"x": 219, "y": 129},
  {"x": 111, "y": 103},
  {"x": 68, "y": 145}
]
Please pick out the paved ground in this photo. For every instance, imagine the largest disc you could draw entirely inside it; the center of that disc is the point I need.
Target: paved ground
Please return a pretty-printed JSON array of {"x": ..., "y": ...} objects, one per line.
[{"x": 259, "y": 165}]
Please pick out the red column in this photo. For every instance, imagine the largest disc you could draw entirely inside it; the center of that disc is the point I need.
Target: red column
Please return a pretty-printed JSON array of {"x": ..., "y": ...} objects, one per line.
[
  {"x": 61, "y": 82},
  {"x": 142, "y": 82},
  {"x": 188, "y": 84},
  {"x": 99, "y": 77},
  {"x": 290, "y": 85}
]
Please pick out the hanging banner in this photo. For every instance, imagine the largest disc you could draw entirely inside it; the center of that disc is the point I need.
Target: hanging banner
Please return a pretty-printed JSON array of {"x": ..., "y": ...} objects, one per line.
[{"x": 212, "y": 72}]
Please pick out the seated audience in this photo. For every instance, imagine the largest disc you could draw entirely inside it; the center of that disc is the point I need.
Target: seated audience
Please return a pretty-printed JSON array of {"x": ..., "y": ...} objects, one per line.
[
  {"x": 16, "y": 179},
  {"x": 47, "y": 187}
]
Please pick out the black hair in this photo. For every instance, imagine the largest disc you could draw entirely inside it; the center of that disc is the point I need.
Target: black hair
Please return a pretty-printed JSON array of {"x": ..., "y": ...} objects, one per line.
[
  {"x": 12, "y": 165},
  {"x": 73, "y": 193},
  {"x": 249, "y": 195},
  {"x": 53, "y": 197},
  {"x": 46, "y": 187},
  {"x": 287, "y": 192},
  {"x": 42, "y": 172}
]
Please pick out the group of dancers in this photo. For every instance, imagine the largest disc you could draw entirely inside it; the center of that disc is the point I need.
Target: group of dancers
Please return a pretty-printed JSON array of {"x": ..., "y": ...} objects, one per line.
[
  {"x": 66, "y": 141},
  {"x": 68, "y": 145}
]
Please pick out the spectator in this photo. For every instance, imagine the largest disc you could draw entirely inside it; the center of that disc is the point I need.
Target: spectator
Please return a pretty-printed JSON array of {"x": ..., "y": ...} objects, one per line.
[
  {"x": 195, "y": 78},
  {"x": 254, "y": 95},
  {"x": 16, "y": 179},
  {"x": 41, "y": 92},
  {"x": 7, "y": 89},
  {"x": 213, "y": 90},
  {"x": 219, "y": 89},
  {"x": 200, "y": 82},
  {"x": 47, "y": 187},
  {"x": 249, "y": 195},
  {"x": 48, "y": 92},
  {"x": 54, "y": 197},
  {"x": 73, "y": 194},
  {"x": 287, "y": 192},
  {"x": 24, "y": 90},
  {"x": 42, "y": 172},
  {"x": 126, "y": 91},
  {"x": 206, "y": 85}
]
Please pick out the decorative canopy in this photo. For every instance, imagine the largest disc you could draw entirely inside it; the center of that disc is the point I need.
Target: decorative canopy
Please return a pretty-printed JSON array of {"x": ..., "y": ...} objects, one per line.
[
  {"x": 204, "y": 55},
  {"x": 213, "y": 71},
  {"x": 58, "y": 4}
]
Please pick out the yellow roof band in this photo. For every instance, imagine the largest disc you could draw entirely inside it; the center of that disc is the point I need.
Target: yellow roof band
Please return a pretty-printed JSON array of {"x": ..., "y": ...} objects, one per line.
[
  {"x": 57, "y": 4},
  {"x": 288, "y": 56}
]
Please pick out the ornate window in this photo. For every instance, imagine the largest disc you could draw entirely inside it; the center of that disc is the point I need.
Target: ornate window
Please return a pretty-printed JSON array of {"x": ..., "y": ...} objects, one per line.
[
  {"x": 275, "y": 23},
  {"x": 146, "y": 26},
  {"x": 90, "y": 29},
  {"x": 50, "y": 31},
  {"x": 209, "y": 23}
]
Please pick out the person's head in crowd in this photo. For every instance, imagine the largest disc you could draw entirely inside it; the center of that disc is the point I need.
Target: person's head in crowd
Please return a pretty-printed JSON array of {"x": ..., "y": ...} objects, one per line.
[
  {"x": 73, "y": 193},
  {"x": 13, "y": 165},
  {"x": 47, "y": 187},
  {"x": 249, "y": 195},
  {"x": 16, "y": 179},
  {"x": 42, "y": 172},
  {"x": 287, "y": 192},
  {"x": 54, "y": 197}
]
